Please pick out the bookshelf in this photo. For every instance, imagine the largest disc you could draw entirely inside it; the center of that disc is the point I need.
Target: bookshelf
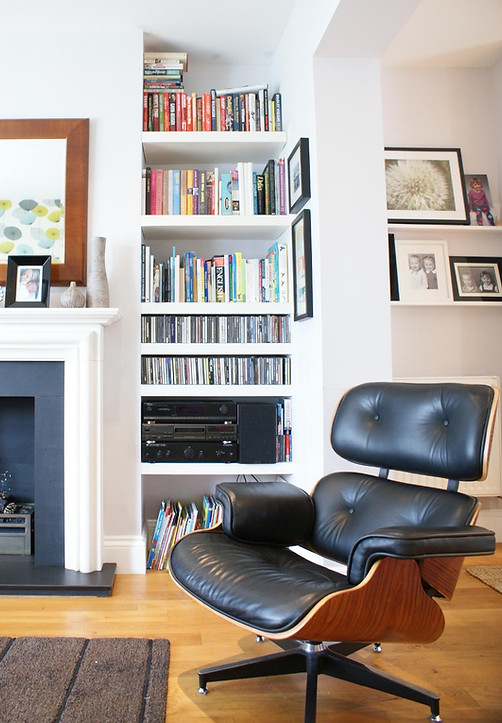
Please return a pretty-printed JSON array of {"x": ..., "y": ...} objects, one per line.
[{"x": 208, "y": 236}]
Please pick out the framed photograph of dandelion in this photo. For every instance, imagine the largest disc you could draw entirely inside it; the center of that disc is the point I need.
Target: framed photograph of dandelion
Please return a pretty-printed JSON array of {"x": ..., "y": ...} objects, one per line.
[
  {"x": 43, "y": 194},
  {"x": 476, "y": 278},
  {"x": 422, "y": 272},
  {"x": 425, "y": 185}
]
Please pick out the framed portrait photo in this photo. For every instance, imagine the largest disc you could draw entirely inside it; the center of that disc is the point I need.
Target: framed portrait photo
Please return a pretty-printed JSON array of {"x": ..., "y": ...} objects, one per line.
[
  {"x": 476, "y": 278},
  {"x": 302, "y": 266},
  {"x": 299, "y": 175},
  {"x": 425, "y": 185},
  {"x": 422, "y": 272},
  {"x": 28, "y": 281}
]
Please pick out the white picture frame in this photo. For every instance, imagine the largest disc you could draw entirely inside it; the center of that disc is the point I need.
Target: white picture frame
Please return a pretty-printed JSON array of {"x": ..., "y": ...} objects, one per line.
[{"x": 422, "y": 271}]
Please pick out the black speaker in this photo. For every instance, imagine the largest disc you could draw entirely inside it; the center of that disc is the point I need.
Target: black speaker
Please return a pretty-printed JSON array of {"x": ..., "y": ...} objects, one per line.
[{"x": 257, "y": 425}]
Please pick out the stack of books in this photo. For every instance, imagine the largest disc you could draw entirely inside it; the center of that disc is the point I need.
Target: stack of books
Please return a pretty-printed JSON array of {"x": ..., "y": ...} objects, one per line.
[
  {"x": 223, "y": 278},
  {"x": 176, "y": 520},
  {"x": 196, "y": 191},
  {"x": 162, "y": 77}
]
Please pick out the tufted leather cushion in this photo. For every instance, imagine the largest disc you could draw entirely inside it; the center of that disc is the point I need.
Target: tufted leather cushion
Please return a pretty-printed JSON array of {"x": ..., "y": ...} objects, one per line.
[
  {"x": 430, "y": 429},
  {"x": 267, "y": 587},
  {"x": 350, "y": 505}
]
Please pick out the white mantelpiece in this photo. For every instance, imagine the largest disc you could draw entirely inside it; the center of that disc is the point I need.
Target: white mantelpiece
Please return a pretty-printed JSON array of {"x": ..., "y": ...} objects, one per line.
[{"x": 75, "y": 337}]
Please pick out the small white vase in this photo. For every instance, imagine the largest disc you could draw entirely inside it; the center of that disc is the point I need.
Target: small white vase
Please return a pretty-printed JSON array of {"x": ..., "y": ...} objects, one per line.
[
  {"x": 97, "y": 283},
  {"x": 72, "y": 298}
]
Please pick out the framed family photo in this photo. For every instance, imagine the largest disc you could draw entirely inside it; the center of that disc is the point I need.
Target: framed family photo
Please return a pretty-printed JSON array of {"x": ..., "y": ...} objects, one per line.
[
  {"x": 299, "y": 175},
  {"x": 420, "y": 272},
  {"x": 28, "y": 281},
  {"x": 476, "y": 278},
  {"x": 302, "y": 266},
  {"x": 425, "y": 185}
]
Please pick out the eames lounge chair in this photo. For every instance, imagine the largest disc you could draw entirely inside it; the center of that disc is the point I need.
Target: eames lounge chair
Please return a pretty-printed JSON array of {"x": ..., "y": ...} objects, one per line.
[{"x": 402, "y": 544}]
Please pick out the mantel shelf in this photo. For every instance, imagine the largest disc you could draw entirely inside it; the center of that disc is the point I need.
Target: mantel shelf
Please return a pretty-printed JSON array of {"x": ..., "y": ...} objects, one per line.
[{"x": 102, "y": 316}]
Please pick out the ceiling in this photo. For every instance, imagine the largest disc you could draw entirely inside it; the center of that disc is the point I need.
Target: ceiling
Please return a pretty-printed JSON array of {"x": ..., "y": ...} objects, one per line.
[
  {"x": 438, "y": 32},
  {"x": 449, "y": 33}
]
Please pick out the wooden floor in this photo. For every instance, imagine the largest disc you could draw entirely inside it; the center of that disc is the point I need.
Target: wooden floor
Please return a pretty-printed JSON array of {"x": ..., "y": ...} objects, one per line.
[{"x": 464, "y": 665}]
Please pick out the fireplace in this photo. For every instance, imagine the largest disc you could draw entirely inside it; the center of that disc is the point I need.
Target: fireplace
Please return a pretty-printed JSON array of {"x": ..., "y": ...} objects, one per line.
[{"x": 52, "y": 360}]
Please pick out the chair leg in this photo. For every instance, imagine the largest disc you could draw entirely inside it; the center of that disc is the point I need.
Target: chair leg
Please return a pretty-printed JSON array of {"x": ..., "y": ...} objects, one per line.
[
  {"x": 314, "y": 659},
  {"x": 290, "y": 661},
  {"x": 338, "y": 666}
]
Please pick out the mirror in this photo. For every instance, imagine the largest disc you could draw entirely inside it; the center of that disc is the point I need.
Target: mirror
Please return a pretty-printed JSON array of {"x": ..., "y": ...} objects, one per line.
[{"x": 43, "y": 194}]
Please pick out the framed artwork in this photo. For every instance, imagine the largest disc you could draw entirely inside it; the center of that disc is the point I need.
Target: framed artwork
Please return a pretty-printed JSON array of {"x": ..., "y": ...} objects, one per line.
[
  {"x": 425, "y": 185},
  {"x": 302, "y": 266},
  {"x": 43, "y": 207},
  {"x": 476, "y": 278},
  {"x": 479, "y": 199},
  {"x": 299, "y": 176},
  {"x": 420, "y": 272},
  {"x": 28, "y": 281}
]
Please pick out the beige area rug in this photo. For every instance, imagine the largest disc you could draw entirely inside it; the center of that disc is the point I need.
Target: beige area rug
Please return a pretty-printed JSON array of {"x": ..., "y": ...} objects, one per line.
[
  {"x": 75, "y": 680},
  {"x": 489, "y": 574}
]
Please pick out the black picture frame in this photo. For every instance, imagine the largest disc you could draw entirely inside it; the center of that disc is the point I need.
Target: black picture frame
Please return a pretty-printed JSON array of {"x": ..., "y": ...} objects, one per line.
[
  {"x": 299, "y": 176},
  {"x": 438, "y": 175},
  {"x": 28, "y": 281},
  {"x": 466, "y": 278},
  {"x": 302, "y": 266}
]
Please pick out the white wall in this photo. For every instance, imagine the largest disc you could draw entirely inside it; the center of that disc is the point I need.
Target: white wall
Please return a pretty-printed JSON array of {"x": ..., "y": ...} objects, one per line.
[
  {"x": 99, "y": 76},
  {"x": 448, "y": 107}
]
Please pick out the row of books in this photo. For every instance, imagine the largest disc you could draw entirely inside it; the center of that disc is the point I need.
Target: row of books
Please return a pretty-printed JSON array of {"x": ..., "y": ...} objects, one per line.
[
  {"x": 223, "y": 278},
  {"x": 284, "y": 452},
  {"x": 215, "y": 329},
  {"x": 175, "y": 520},
  {"x": 198, "y": 192},
  {"x": 218, "y": 370},
  {"x": 249, "y": 108}
]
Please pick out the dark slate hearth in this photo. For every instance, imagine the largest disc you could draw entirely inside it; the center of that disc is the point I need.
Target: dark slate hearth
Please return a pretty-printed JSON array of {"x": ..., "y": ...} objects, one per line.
[{"x": 20, "y": 576}]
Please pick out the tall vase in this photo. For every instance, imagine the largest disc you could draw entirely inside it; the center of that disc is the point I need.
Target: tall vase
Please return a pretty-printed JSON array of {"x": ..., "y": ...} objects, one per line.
[{"x": 97, "y": 282}]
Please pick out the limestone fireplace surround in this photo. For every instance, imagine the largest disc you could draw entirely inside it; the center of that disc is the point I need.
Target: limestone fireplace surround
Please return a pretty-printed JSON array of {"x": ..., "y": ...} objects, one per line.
[{"x": 76, "y": 338}]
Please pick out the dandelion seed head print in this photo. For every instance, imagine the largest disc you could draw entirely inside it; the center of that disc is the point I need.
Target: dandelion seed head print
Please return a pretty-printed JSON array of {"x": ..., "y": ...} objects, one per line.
[{"x": 419, "y": 185}]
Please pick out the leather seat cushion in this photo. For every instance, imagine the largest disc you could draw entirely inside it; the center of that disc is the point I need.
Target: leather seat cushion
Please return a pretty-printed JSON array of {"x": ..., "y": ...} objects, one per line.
[{"x": 266, "y": 587}]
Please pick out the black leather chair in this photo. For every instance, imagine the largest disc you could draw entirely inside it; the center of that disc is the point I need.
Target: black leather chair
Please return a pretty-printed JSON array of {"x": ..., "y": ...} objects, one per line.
[{"x": 403, "y": 544}]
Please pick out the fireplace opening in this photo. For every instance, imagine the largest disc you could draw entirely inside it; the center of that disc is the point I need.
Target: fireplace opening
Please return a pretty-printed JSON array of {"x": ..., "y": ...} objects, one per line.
[{"x": 32, "y": 450}]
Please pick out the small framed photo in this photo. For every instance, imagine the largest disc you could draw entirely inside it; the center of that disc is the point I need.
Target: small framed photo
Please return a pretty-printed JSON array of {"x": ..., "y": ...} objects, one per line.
[
  {"x": 422, "y": 272},
  {"x": 425, "y": 185},
  {"x": 476, "y": 278},
  {"x": 480, "y": 199},
  {"x": 28, "y": 281},
  {"x": 302, "y": 266},
  {"x": 299, "y": 176}
]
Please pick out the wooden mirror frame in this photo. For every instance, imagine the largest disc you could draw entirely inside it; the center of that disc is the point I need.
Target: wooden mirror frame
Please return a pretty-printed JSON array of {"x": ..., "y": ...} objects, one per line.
[{"x": 76, "y": 133}]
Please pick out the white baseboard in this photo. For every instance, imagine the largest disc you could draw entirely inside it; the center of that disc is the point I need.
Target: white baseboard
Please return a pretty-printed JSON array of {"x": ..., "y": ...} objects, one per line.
[{"x": 127, "y": 551}]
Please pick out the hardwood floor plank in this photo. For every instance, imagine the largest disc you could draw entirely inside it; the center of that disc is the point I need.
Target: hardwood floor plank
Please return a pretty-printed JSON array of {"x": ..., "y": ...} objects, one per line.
[{"x": 464, "y": 666}]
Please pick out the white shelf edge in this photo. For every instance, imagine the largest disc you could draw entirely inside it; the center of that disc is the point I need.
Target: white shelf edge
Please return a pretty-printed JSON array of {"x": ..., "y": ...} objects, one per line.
[
  {"x": 215, "y": 390},
  {"x": 451, "y": 304},
  {"x": 449, "y": 228},
  {"x": 214, "y": 468},
  {"x": 232, "y": 221},
  {"x": 213, "y": 137},
  {"x": 234, "y": 308},
  {"x": 222, "y": 349}
]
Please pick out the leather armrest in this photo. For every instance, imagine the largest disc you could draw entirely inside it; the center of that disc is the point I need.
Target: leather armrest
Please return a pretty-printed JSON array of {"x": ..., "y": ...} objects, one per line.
[
  {"x": 266, "y": 512},
  {"x": 415, "y": 543}
]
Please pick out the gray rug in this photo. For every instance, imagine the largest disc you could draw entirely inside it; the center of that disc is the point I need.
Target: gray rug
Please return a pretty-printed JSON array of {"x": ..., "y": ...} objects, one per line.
[
  {"x": 75, "y": 680},
  {"x": 489, "y": 574}
]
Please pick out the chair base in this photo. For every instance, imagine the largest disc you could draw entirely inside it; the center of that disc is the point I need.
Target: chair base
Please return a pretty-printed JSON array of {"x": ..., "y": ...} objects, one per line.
[{"x": 315, "y": 658}]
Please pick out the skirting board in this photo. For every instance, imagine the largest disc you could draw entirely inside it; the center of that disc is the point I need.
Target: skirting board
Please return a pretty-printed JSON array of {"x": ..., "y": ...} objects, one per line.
[{"x": 127, "y": 551}]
